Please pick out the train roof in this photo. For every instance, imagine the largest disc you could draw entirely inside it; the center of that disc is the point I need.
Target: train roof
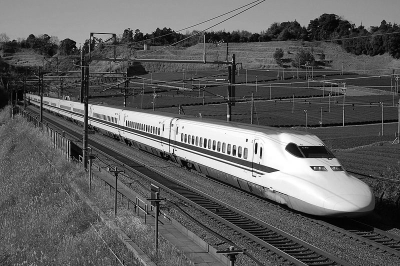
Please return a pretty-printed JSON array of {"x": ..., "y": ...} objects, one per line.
[
  {"x": 303, "y": 137},
  {"x": 285, "y": 134}
]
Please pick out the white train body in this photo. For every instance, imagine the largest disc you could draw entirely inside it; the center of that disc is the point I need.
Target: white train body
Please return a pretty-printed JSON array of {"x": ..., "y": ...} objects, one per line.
[{"x": 290, "y": 167}]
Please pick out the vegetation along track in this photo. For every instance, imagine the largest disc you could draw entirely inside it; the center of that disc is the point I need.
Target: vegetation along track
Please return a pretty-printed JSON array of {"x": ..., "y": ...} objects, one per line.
[{"x": 284, "y": 245}]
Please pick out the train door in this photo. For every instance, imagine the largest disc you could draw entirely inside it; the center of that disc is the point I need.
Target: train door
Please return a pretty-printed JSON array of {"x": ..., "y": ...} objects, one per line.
[
  {"x": 258, "y": 150},
  {"x": 173, "y": 135},
  {"x": 168, "y": 134}
]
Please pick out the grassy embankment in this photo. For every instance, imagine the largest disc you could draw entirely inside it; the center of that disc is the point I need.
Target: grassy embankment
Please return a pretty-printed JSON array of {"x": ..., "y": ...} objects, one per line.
[{"x": 43, "y": 223}]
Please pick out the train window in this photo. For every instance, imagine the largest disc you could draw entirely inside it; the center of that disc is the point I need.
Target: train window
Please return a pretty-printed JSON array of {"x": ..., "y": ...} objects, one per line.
[
  {"x": 228, "y": 150},
  {"x": 192, "y": 140},
  {"x": 209, "y": 143},
  {"x": 294, "y": 150},
  {"x": 261, "y": 150},
  {"x": 189, "y": 139},
  {"x": 214, "y": 145},
  {"x": 234, "y": 150},
  {"x": 197, "y": 141},
  {"x": 159, "y": 131},
  {"x": 223, "y": 147},
  {"x": 205, "y": 143},
  {"x": 219, "y": 146},
  {"x": 255, "y": 148},
  {"x": 245, "y": 152},
  {"x": 316, "y": 152},
  {"x": 240, "y": 152},
  {"x": 201, "y": 141},
  {"x": 182, "y": 137},
  {"x": 185, "y": 138}
]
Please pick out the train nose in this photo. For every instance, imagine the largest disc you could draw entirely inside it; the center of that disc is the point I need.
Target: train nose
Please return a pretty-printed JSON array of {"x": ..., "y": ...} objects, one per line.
[{"x": 349, "y": 205}]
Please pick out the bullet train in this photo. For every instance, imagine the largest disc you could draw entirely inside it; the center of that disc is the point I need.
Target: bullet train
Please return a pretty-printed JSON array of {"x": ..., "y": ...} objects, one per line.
[{"x": 289, "y": 167}]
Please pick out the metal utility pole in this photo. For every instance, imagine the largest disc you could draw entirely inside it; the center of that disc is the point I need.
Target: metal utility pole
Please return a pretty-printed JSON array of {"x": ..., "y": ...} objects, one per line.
[
  {"x": 85, "y": 100},
  {"x": 11, "y": 103},
  {"x": 321, "y": 118},
  {"x": 270, "y": 92},
  {"x": 24, "y": 88},
  {"x": 344, "y": 99},
  {"x": 382, "y": 116},
  {"x": 228, "y": 104},
  {"x": 154, "y": 98},
  {"x": 398, "y": 122},
  {"x": 126, "y": 87},
  {"x": 305, "y": 112},
  {"x": 41, "y": 94},
  {"x": 293, "y": 104},
  {"x": 231, "y": 88},
  {"x": 91, "y": 158},
  {"x": 330, "y": 102},
  {"x": 252, "y": 108}
]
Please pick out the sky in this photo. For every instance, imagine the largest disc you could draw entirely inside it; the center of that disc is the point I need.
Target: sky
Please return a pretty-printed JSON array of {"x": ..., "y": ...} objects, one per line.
[{"x": 76, "y": 19}]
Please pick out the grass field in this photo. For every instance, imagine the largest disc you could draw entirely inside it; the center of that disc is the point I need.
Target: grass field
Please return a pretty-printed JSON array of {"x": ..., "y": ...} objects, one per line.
[{"x": 42, "y": 223}]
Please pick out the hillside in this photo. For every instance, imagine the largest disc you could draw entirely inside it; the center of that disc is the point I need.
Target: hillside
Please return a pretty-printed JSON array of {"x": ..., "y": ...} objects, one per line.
[
  {"x": 248, "y": 55},
  {"x": 253, "y": 56}
]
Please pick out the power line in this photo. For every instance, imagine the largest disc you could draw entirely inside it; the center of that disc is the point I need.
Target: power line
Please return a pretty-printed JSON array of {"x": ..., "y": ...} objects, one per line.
[
  {"x": 208, "y": 20},
  {"x": 200, "y": 32}
]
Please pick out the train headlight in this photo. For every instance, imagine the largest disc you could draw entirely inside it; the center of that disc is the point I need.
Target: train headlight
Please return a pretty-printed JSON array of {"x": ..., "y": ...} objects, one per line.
[
  {"x": 318, "y": 168},
  {"x": 337, "y": 168}
]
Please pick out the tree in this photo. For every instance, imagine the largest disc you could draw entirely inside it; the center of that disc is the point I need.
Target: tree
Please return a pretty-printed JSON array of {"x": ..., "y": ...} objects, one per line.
[
  {"x": 67, "y": 47},
  {"x": 278, "y": 55},
  {"x": 4, "y": 38},
  {"x": 30, "y": 41},
  {"x": 302, "y": 58},
  {"x": 127, "y": 36},
  {"x": 138, "y": 36}
]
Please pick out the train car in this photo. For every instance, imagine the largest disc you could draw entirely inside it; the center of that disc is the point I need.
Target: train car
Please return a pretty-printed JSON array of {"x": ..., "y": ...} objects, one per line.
[
  {"x": 147, "y": 131},
  {"x": 290, "y": 167}
]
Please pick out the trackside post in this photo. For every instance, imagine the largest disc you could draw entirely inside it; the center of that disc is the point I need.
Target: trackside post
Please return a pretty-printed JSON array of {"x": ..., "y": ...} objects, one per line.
[
  {"x": 116, "y": 172},
  {"x": 231, "y": 253},
  {"x": 155, "y": 201}
]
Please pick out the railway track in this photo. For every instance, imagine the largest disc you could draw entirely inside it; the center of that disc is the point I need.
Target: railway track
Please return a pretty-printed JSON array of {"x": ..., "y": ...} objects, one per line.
[
  {"x": 364, "y": 233},
  {"x": 270, "y": 239},
  {"x": 267, "y": 237}
]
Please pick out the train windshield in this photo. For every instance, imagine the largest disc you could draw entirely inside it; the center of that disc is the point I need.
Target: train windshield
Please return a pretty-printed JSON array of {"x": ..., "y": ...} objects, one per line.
[{"x": 309, "y": 151}]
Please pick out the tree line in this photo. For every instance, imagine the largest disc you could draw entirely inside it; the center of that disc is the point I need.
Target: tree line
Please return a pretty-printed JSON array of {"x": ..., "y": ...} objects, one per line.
[{"x": 381, "y": 39}]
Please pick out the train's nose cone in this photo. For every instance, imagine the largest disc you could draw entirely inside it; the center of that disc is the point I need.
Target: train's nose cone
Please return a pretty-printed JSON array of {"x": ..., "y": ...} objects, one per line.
[{"x": 351, "y": 204}]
